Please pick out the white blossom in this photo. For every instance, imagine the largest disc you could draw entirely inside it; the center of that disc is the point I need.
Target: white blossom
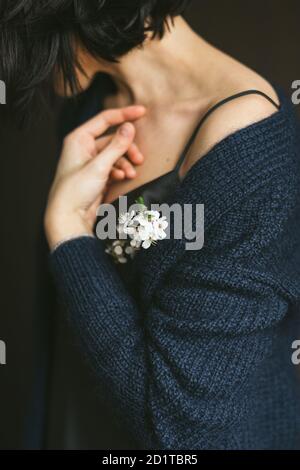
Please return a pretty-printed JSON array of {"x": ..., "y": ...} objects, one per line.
[{"x": 143, "y": 228}]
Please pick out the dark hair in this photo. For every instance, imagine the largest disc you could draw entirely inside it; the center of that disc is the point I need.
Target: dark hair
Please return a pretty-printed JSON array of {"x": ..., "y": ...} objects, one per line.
[{"x": 38, "y": 37}]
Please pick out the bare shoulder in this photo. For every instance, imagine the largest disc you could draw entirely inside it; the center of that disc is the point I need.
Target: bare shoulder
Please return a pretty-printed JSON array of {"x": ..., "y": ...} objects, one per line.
[{"x": 232, "y": 116}]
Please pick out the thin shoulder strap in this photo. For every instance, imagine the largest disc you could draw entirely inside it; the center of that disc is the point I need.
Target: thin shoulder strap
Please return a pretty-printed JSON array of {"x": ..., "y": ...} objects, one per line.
[{"x": 211, "y": 110}]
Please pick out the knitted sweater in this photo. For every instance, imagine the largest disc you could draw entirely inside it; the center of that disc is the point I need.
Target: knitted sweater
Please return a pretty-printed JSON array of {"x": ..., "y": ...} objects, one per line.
[{"x": 193, "y": 348}]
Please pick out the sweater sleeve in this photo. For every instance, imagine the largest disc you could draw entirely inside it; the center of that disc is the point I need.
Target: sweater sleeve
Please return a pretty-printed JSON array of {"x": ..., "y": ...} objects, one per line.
[{"x": 178, "y": 369}]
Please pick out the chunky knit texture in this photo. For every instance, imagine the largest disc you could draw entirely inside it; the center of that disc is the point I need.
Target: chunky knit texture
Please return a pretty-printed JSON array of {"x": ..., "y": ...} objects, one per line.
[{"x": 193, "y": 348}]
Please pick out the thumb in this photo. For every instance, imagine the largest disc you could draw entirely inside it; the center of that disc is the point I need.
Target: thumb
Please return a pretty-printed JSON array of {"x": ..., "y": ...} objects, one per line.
[{"x": 118, "y": 146}]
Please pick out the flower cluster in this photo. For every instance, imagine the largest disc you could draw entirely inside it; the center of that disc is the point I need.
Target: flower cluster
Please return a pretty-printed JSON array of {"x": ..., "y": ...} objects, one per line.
[
  {"x": 120, "y": 251},
  {"x": 141, "y": 228}
]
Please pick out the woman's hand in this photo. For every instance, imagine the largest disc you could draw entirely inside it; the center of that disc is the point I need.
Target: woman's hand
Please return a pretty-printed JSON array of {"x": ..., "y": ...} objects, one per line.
[{"x": 84, "y": 169}]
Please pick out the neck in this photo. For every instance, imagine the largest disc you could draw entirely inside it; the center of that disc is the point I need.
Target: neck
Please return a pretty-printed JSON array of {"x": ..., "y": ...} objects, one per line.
[{"x": 146, "y": 75}]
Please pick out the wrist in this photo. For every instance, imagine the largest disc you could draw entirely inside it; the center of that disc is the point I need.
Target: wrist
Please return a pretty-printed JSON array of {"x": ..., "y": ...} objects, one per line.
[{"x": 61, "y": 229}]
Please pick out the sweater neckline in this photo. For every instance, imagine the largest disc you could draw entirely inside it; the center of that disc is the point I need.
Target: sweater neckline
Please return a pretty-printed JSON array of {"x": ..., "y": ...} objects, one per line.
[{"x": 244, "y": 133}]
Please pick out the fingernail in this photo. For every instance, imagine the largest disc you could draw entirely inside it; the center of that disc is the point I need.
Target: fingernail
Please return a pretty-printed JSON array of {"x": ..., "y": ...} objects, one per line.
[{"x": 141, "y": 108}]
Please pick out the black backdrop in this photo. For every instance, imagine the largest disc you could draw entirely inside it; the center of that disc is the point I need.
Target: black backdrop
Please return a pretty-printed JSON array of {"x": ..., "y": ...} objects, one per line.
[{"x": 263, "y": 34}]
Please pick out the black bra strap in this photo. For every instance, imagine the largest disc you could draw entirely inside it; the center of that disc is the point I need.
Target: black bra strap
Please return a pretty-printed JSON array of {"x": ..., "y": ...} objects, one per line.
[{"x": 211, "y": 110}]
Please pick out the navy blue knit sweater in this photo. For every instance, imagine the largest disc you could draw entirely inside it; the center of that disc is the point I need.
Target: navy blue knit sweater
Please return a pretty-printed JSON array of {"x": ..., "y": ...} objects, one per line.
[{"x": 193, "y": 348}]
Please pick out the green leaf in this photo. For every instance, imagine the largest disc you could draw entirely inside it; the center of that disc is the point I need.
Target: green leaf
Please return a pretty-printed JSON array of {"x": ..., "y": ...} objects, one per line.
[{"x": 140, "y": 200}]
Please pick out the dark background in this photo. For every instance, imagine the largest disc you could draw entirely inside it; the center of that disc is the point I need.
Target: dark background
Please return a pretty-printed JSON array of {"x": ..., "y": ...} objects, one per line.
[{"x": 264, "y": 34}]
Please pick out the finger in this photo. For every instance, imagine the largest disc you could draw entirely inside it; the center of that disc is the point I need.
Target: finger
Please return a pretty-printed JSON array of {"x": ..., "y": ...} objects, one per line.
[
  {"x": 117, "y": 174},
  {"x": 112, "y": 117},
  {"x": 102, "y": 142},
  {"x": 118, "y": 146},
  {"x": 135, "y": 155},
  {"x": 127, "y": 167}
]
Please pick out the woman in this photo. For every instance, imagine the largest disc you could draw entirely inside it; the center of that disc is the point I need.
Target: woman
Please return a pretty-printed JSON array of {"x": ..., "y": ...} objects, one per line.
[{"x": 192, "y": 348}]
